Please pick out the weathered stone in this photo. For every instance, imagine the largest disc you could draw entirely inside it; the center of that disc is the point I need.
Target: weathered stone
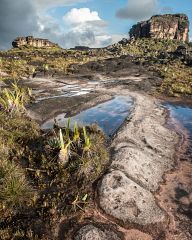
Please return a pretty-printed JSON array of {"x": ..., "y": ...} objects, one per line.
[
  {"x": 90, "y": 232},
  {"x": 125, "y": 200},
  {"x": 143, "y": 152},
  {"x": 145, "y": 168},
  {"x": 33, "y": 42},
  {"x": 167, "y": 26}
]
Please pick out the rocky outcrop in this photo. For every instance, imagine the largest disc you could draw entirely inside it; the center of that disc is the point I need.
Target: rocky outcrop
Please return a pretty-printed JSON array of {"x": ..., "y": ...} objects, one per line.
[
  {"x": 183, "y": 53},
  {"x": 163, "y": 27},
  {"x": 33, "y": 42},
  {"x": 81, "y": 48}
]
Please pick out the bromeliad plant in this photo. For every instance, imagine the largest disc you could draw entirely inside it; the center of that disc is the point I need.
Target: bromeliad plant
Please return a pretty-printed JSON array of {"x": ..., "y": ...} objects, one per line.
[
  {"x": 87, "y": 142},
  {"x": 64, "y": 149},
  {"x": 76, "y": 134},
  {"x": 63, "y": 144},
  {"x": 15, "y": 98},
  {"x": 71, "y": 141}
]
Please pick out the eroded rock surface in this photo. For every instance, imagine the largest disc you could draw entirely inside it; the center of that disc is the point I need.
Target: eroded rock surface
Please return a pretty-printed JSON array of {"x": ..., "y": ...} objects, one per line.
[
  {"x": 90, "y": 232},
  {"x": 167, "y": 26},
  {"x": 127, "y": 201},
  {"x": 143, "y": 153}
]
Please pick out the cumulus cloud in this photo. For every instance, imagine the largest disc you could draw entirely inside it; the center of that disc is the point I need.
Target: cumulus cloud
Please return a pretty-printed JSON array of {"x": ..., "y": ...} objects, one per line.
[
  {"x": 138, "y": 9},
  {"x": 81, "y": 15},
  {"x": 86, "y": 28},
  {"x": 30, "y": 17}
]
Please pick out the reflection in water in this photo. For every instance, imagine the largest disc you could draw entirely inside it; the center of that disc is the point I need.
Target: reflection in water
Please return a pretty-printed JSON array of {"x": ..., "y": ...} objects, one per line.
[
  {"x": 182, "y": 113},
  {"x": 109, "y": 115}
]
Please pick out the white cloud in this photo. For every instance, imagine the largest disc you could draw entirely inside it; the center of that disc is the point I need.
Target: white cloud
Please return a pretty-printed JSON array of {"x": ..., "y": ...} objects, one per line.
[
  {"x": 81, "y": 15},
  {"x": 85, "y": 28},
  {"x": 30, "y": 17},
  {"x": 138, "y": 9}
]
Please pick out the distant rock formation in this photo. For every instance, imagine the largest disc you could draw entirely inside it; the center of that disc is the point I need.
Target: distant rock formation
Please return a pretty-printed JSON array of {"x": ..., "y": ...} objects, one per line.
[
  {"x": 33, "y": 42},
  {"x": 81, "y": 48},
  {"x": 168, "y": 26}
]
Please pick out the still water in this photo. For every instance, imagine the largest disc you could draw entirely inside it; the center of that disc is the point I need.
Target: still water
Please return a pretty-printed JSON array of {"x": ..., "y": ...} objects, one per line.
[{"x": 109, "y": 116}]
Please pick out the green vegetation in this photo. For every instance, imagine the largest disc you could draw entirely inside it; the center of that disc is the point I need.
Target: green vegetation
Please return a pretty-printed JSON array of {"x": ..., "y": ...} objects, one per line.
[
  {"x": 28, "y": 62},
  {"x": 14, "y": 188},
  {"x": 176, "y": 74},
  {"x": 13, "y": 99},
  {"x": 36, "y": 190},
  {"x": 146, "y": 47},
  {"x": 87, "y": 142},
  {"x": 23, "y": 62},
  {"x": 177, "y": 78}
]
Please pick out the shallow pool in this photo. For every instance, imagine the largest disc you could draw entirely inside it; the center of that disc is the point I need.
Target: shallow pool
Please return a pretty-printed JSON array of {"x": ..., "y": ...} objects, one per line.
[
  {"x": 182, "y": 113},
  {"x": 109, "y": 116}
]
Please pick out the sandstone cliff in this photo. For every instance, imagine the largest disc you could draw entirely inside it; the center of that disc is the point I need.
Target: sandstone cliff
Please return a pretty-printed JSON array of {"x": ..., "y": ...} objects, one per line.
[
  {"x": 33, "y": 42},
  {"x": 167, "y": 26}
]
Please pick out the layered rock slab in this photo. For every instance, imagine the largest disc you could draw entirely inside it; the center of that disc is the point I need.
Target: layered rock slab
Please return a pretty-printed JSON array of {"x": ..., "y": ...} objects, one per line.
[
  {"x": 146, "y": 169},
  {"x": 127, "y": 201},
  {"x": 143, "y": 152}
]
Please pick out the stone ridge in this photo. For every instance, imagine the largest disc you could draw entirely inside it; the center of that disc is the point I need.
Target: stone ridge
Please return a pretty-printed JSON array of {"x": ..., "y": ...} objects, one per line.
[
  {"x": 143, "y": 151},
  {"x": 168, "y": 26},
  {"x": 33, "y": 42}
]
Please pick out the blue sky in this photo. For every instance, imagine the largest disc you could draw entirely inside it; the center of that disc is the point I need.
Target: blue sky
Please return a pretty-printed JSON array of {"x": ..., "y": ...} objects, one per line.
[
  {"x": 119, "y": 27},
  {"x": 106, "y": 9},
  {"x": 94, "y": 23}
]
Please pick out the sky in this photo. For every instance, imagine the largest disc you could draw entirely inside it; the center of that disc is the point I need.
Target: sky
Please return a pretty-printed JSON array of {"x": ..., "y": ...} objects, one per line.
[{"x": 93, "y": 23}]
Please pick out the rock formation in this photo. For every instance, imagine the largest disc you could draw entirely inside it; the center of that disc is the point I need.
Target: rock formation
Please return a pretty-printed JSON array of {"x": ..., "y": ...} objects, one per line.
[
  {"x": 184, "y": 53},
  {"x": 33, "y": 42},
  {"x": 167, "y": 26}
]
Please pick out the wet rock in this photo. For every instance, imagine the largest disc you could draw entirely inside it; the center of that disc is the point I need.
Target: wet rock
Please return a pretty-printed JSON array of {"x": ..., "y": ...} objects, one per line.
[
  {"x": 125, "y": 200},
  {"x": 90, "y": 232}
]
